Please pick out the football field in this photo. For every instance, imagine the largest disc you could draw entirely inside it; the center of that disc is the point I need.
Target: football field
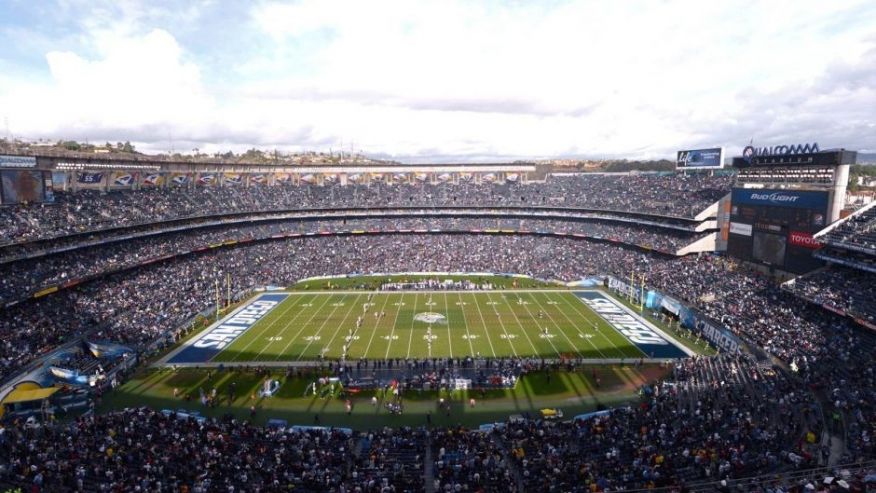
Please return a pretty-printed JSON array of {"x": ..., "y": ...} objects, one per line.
[{"x": 307, "y": 326}]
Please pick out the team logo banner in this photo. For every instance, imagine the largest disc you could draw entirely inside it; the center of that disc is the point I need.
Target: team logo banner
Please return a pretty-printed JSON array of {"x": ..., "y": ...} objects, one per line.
[
  {"x": 89, "y": 178},
  {"x": 206, "y": 179},
  {"x": 512, "y": 177},
  {"x": 488, "y": 177},
  {"x": 180, "y": 179},
  {"x": 282, "y": 177},
  {"x": 329, "y": 178},
  {"x": 259, "y": 178},
  {"x": 377, "y": 177},
  {"x": 108, "y": 350},
  {"x": 232, "y": 178},
  {"x": 309, "y": 178},
  {"x": 123, "y": 180},
  {"x": 153, "y": 180},
  {"x": 421, "y": 177},
  {"x": 465, "y": 176},
  {"x": 444, "y": 177},
  {"x": 399, "y": 178}
]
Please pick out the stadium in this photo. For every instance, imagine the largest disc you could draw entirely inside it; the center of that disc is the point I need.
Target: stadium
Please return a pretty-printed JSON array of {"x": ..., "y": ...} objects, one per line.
[
  {"x": 437, "y": 247},
  {"x": 436, "y": 324}
]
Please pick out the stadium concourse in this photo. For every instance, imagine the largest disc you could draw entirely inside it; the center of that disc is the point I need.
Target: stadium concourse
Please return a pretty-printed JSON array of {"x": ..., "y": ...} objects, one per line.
[{"x": 738, "y": 418}]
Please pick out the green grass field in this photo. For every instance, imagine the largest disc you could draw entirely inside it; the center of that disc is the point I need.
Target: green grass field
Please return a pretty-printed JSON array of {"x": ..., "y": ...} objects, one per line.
[{"x": 548, "y": 324}]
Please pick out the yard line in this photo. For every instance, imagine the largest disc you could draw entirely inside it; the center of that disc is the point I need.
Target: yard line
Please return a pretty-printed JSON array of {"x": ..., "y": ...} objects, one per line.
[
  {"x": 525, "y": 307},
  {"x": 447, "y": 315},
  {"x": 560, "y": 329},
  {"x": 467, "y": 333},
  {"x": 319, "y": 330},
  {"x": 486, "y": 332},
  {"x": 563, "y": 312},
  {"x": 502, "y": 324},
  {"x": 327, "y": 298},
  {"x": 411, "y": 337},
  {"x": 600, "y": 319},
  {"x": 376, "y": 325},
  {"x": 343, "y": 322},
  {"x": 392, "y": 330},
  {"x": 268, "y": 327},
  {"x": 524, "y": 330}
]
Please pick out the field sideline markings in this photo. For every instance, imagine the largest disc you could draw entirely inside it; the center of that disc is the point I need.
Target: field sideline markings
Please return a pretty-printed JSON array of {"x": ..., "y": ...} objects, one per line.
[
  {"x": 537, "y": 325},
  {"x": 376, "y": 326},
  {"x": 411, "y": 334},
  {"x": 486, "y": 332},
  {"x": 322, "y": 325},
  {"x": 502, "y": 324},
  {"x": 628, "y": 343},
  {"x": 283, "y": 351},
  {"x": 559, "y": 328},
  {"x": 344, "y": 321},
  {"x": 470, "y": 345},
  {"x": 267, "y": 328}
]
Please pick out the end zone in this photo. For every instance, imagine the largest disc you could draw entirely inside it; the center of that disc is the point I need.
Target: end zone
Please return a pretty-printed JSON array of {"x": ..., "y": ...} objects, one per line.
[
  {"x": 653, "y": 342},
  {"x": 212, "y": 340}
]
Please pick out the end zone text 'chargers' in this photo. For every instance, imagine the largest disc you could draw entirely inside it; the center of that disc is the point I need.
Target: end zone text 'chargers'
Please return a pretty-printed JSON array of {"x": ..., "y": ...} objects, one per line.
[
  {"x": 213, "y": 340},
  {"x": 644, "y": 335}
]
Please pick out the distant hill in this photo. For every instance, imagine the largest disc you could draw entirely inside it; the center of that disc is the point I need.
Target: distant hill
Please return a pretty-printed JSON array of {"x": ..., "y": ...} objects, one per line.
[{"x": 867, "y": 158}]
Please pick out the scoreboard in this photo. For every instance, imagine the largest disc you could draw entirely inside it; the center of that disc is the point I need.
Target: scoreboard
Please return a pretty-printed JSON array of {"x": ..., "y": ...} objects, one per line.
[{"x": 776, "y": 227}]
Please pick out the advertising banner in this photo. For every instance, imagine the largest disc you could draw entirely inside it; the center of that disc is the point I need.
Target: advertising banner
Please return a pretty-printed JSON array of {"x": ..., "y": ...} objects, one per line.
[
  {"x": 740, "y": 229},
  {"x": 799, "y": 199},
  {"x": 712, "y": 158},
  {"x": 17, "y": 161}
]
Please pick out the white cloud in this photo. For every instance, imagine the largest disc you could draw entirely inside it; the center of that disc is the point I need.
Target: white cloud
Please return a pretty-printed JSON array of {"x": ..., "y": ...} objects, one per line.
[{"x": 460, "y": 79}]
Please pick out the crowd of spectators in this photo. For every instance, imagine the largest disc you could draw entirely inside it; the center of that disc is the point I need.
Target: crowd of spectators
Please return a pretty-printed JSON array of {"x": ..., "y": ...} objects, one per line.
[
  {"x": 841, "y": 288},
  {"x": 857, "y": 232},
  {"x": 18, "y": 280},
  {"x": 720, "y": 420},
  {"x": 829, "y": 352},
  {"x": 87, "y": 210},
  {"x": 137, "y": 306}
]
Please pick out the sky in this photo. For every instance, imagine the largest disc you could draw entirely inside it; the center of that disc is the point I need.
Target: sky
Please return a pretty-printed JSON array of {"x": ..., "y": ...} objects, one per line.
[{"x": 445, "y": 80}]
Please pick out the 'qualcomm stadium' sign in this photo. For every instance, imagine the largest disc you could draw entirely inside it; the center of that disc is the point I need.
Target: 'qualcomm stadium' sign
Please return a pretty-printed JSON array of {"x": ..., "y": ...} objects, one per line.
[{"x": 751, "y": 152}]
